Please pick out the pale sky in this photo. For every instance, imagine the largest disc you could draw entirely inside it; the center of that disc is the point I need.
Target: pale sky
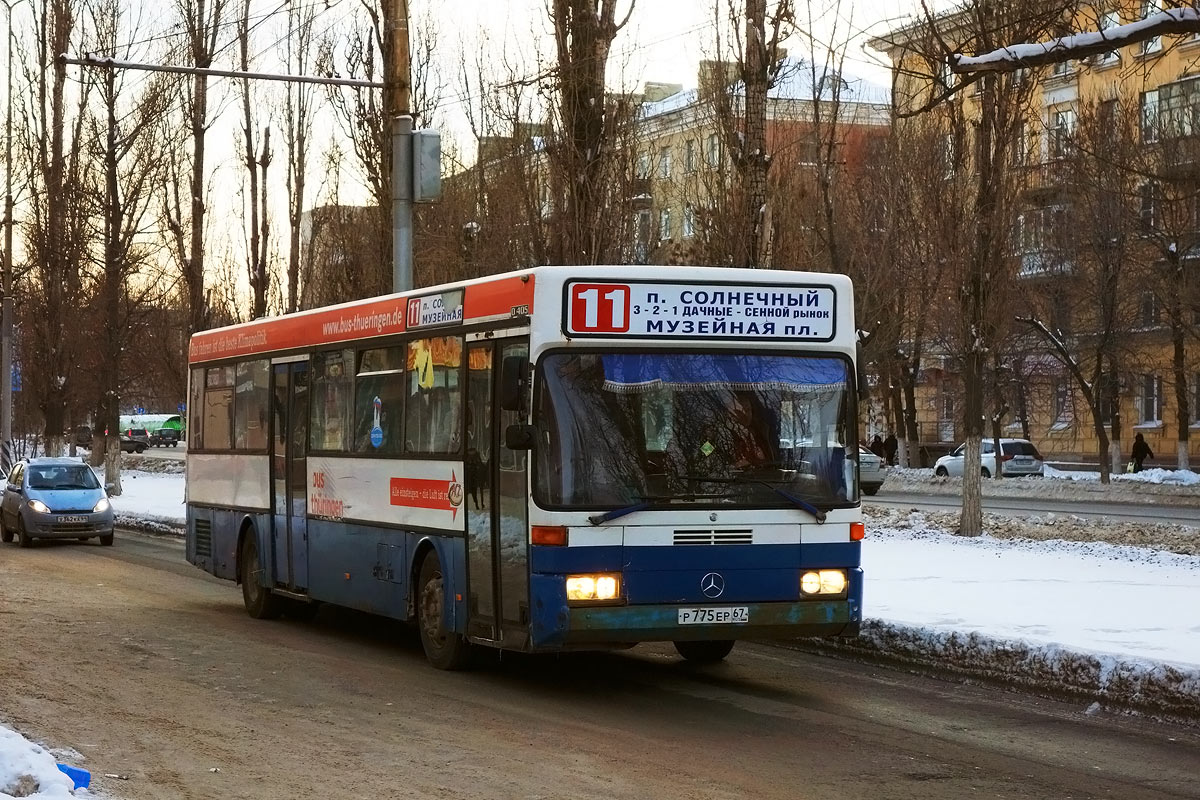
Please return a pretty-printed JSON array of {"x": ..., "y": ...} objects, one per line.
[{"x": 664, "y": 41}]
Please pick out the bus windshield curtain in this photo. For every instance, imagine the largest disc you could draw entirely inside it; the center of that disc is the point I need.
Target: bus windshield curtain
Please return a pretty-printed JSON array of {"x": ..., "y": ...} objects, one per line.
[{"x": 634, "y": 373}]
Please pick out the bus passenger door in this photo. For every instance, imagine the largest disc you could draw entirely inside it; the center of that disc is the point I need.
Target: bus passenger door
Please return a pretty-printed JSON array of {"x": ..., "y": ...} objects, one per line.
[
  {"x": 497, "y": 489},
  {"x": 289, "y": 475},
  {"x": 512, "y": 503},
  {"x": 482, "y": 620}
]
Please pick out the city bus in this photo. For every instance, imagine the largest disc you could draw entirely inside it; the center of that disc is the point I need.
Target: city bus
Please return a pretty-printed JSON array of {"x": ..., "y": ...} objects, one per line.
[{"x": 562, "y": 458}]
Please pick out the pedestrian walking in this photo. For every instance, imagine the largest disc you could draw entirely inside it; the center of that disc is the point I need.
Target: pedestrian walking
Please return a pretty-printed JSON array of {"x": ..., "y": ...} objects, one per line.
[
  {"x": 890, "y": 445},
  {"x": 1141, "y": 451},
  {"x": 877, "y": 446}
]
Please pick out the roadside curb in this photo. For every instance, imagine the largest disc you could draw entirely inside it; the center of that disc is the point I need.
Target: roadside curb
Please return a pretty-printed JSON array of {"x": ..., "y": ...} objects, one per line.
[
  {"x": 154, "y": 527},
  {"x": 1145, "y": 687}
]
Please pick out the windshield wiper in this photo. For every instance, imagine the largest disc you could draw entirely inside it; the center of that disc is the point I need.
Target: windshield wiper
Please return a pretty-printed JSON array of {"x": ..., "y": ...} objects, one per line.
[
  {"x": 645, "y": 501},
  {"x": 798, "y": 502}
]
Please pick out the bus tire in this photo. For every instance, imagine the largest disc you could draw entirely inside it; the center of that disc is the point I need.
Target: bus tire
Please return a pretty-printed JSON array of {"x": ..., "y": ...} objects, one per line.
[
  {"x": 260, "y": 602},
  {"x": 705, "y": 652},
  {"x": 444, "y": 649}
]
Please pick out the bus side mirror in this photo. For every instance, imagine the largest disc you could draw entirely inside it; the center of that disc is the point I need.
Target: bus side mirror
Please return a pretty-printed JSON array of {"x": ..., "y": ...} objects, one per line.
[
  {"x": 512, "y": 383},
  {"x": 519, "y": 437}
]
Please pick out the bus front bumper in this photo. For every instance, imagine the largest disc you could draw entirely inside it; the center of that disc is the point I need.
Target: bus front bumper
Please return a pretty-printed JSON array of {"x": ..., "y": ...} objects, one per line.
[{"x": 580, "y": 626}]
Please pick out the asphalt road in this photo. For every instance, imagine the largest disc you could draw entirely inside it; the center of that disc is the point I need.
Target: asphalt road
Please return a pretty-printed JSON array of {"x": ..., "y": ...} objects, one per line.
[
  {"x": 152, "y": 671},
  {"x": 1030, "y": 506}
]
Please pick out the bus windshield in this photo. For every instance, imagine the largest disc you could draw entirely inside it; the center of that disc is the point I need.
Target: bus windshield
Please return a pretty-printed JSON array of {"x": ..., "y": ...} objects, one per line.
[{"x": 694, "y": 429}]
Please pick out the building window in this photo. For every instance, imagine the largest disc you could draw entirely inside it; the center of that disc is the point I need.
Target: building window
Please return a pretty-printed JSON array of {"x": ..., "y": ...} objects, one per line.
[
  {"x": 1149, "y": 103},
  {"x": 714, "y": 150},
  {"x": 1060, "y": 69},
  {"x": 664, "y": 162},
  {"x": 1148, "y": 310},
  {"x": 1062, "y": 128},
  {"x": 689, "y": 222},
  {"x": 643, "y": 166},
  {"x": 1109, "y": 398},
  {"x": 1150, "y": 401},
  {"x": 1149, "y": 8},
  {"x": 1194, "y": 399},
  {"x": 689, "y": 155},
  {"x": 641, "y": 229},
  {"x": 1110, "y": 20},
  {"x": 1149, "y": 204},
  {"x": 664, "y": 224},
  {"x": 1061, "y": 410}
]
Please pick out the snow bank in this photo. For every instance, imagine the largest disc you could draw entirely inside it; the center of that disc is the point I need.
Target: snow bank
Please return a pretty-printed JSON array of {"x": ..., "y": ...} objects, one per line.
[
  {"x": 1118, "y": 683},
  {"x": 1174, "y": 487},
  {"x": 27, "y": 770},
  {"x": 1174, "y": 477},
  {"x": 150, "y": 501}
]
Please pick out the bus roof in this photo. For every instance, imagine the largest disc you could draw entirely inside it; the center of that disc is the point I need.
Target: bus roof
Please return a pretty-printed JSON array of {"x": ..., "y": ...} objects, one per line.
[{"x": 505, "y": 296}]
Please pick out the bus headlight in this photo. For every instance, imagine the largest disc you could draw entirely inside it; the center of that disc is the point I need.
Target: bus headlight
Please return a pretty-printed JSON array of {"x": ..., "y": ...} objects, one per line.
[
  {"x": 823, "y": 582},
  {"x": 593, "y": 588}
]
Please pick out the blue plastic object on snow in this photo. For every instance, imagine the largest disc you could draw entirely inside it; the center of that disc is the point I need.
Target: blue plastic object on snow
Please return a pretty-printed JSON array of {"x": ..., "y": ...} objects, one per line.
[{"x": 81, "y": 776}]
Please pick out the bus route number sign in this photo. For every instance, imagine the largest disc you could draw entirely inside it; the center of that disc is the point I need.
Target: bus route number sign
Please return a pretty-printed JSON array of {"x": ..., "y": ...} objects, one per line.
[{"x": 700, "y": 311}]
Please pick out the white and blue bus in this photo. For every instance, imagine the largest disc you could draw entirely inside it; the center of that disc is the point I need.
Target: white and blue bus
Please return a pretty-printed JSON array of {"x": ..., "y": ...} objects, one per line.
[{"x": 559, "y": 458}]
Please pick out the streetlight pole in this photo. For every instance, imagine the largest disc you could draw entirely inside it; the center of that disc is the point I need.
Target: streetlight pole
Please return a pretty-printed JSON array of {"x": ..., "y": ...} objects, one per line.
[{"x": 6, "y": 277}]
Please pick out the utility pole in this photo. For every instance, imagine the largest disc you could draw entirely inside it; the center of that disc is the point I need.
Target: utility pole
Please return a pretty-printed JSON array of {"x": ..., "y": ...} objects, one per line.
[
  {"x": 398, "y": 107},
  {"x": 6, "y": 278}
]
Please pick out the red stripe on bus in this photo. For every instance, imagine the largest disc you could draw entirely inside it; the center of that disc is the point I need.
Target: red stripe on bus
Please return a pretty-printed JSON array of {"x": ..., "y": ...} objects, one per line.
[
  {"x": 505, "y": 297},
  {"x": 328, "y": 326}
]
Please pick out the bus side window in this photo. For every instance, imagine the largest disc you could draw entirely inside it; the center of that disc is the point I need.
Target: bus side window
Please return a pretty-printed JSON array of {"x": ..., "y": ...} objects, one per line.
[{"x": 433, "y": 412}]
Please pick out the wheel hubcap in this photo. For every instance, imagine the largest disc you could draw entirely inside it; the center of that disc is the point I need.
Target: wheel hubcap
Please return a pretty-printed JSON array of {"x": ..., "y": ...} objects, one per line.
[{"x": 431, "y": 610}]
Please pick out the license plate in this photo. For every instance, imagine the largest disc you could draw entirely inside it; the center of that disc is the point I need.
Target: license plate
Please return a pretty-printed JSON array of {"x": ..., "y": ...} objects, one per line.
[
  {"x": 729, "y": 615},
  {"x": 1024, "y": 459},
  {"x": 69, "y": 520}
]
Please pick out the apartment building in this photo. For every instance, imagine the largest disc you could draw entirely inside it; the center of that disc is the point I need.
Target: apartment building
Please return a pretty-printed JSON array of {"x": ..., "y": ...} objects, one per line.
[
  {"x": 682, "y": 165},
  {"x": 1140, "y": 103}
]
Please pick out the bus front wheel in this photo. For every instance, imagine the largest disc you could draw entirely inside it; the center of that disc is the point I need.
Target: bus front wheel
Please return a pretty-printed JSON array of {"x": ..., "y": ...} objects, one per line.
[
  {"x": 444, "y": 649},
  {"x": 260, "y": 602},
  {"x": 705, "y": 652}
]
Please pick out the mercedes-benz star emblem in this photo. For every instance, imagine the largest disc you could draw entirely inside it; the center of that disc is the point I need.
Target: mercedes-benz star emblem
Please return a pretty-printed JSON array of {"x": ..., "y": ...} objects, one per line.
[{"x": 712, "y": 585}]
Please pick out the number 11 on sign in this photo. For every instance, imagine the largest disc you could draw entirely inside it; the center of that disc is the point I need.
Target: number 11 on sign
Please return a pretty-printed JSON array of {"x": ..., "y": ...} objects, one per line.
[{"x": 600, "y": 308}]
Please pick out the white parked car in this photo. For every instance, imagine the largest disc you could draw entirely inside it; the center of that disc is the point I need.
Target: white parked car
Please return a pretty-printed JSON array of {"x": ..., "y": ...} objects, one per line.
[
  {"x": 871, "y": 471},
  {"x": 1020, "y": 457}
]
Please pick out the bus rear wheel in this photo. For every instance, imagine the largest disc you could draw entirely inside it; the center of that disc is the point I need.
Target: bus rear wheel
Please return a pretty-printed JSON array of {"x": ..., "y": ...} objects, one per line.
[
  {"x": 705, "y": 652},
  {"x": 444, "y": 649},
  {"x": 260, "y": 602}
]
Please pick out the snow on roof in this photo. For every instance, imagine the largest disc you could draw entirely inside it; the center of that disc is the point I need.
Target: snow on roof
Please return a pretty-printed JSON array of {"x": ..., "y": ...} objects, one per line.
[{"x": 795, "y": 82}]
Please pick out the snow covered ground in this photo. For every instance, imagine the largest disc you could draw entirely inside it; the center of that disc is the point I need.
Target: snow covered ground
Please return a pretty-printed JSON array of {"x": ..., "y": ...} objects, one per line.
[
  {"x": 1177, "y": 487},
  {"x": 28, "y": 770}
]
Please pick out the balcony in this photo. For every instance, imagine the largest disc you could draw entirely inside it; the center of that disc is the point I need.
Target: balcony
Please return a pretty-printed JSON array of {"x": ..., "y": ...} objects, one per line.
[
  {"x": 1043, "y": 264},
  {"x": 1043, "y": 180}
]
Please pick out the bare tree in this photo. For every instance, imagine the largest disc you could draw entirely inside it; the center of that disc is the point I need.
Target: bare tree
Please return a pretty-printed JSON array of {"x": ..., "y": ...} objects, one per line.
[
  {"x": 129, "y": 142},
  {"x": 297, "y": 132},
  {"x": 202, "y": 24},
  {"x": 256, "y": 162},
  {"x": 57, "y": 226},
  {"x": 583, "y": 152},
  {"x": 358, "y": 53}
]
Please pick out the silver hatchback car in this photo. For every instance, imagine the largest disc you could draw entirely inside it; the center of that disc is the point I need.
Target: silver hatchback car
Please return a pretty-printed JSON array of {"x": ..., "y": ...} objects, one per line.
[
  {"x": 1019, "y": 457},
  {"x": 54, "y": 498}
]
